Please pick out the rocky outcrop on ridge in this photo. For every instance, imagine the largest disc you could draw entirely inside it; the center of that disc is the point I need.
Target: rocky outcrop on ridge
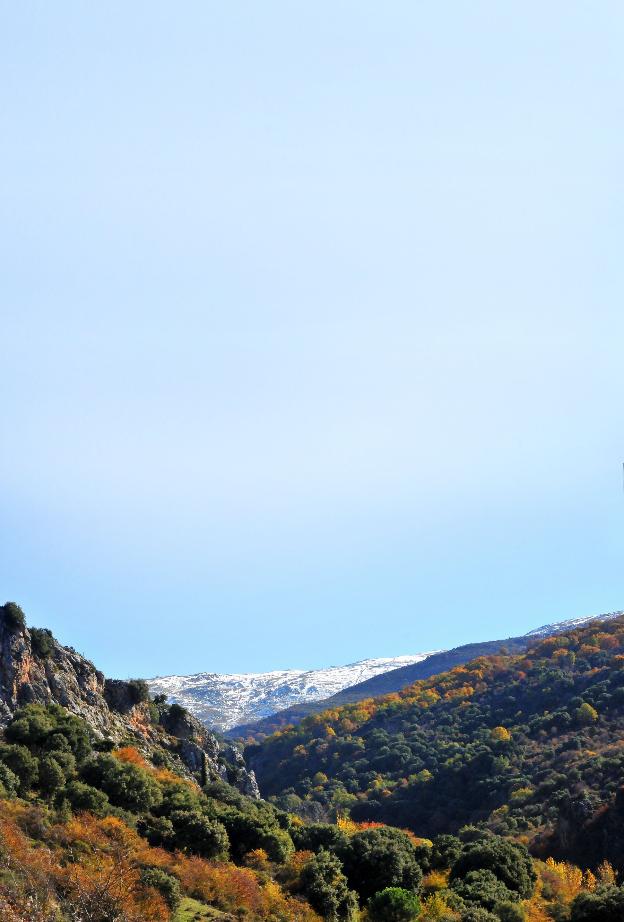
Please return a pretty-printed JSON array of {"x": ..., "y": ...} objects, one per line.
[{"x": 36, "y": 669}]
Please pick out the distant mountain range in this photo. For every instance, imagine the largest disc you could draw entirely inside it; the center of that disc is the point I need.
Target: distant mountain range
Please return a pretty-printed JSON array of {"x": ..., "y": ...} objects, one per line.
[
  {"x": 396, "y": 679},
  {"x": 224, "y": 701},
  {"x": 254, "y": 705}
]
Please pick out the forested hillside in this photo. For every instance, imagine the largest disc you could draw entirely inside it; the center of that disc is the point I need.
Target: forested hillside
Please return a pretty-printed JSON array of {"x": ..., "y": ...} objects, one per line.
[
  {"x": 95, "y": 836},
  {"x": 107, "y": 816},
  {"x": 387, "y": 682},
  {"x": 529, "y": 746}
]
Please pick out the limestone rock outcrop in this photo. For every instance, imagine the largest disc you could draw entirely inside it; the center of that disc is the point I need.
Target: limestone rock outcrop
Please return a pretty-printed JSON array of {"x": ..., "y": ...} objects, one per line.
[{"x": 36, "y": 669}]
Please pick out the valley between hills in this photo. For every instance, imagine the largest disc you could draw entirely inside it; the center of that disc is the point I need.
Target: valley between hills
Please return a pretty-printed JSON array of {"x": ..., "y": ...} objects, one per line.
[{"x": 480, "y": 784}]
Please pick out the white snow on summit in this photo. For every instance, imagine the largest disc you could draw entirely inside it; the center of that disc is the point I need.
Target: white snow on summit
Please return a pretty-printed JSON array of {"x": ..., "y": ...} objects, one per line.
[
  {"x": 559, "y": 627},
  {"x": 225, "y": 701}
]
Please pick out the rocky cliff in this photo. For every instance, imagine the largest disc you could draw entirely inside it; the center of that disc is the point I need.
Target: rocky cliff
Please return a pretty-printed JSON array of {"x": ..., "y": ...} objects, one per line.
[{"x": 35, "y": 668}]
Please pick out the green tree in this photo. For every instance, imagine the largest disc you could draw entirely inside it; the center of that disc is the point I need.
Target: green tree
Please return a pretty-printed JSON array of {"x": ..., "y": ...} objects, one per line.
[
  {"x": 166, "y": 884},
  {"x": 326, "y": 889},
  {"x": 477, "y": 914},
  {"x": 508, "y": 861},
  {"x": 127, "y": 785},
  {"x": 177, "y": 712},
  {"x": 586, "y": 714},
  {"x": 14, "y": 617},
  {"x": 51, "y": 775},
  {"x": 248, "y": 832},
  {"x": 179, "y": 796},
  {"x": 22, "y": 763},
  {"x": 66, "y": 761},
  {"x": 394, "y": 905},
  {"x": 375, "y": 859},
  {"x": 9, "y": 782},
  {"x": 510, "y": 912},
  {"x": 445, "y": 852},
  {"x": 84, "y": 798},
  {"x": 483, "y": 888},
  {"x": 605, "y": 905},
  {"x": 158, "y": 830},
  {"x": 42, "y": 641},
  {"x": 200, "y": 835},
  {"x": 30, "y": 726},
  {"x": 139, "y": 690},
  {"x": 312, "y": 837},
  {"x": 50, "y": 728}
]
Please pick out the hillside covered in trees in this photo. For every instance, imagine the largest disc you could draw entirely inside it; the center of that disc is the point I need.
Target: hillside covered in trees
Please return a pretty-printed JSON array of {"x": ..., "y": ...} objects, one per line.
[
  {"x": 529, "y": 746},
  {"x": 105, "y": 816},
  {"x": 90, "y": 835}
]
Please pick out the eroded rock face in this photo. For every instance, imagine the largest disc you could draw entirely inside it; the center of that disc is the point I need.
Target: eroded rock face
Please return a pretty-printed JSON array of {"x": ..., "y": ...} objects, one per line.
[
  {"x": 63, "y": 677},
  {"x": 239, "y": 775},
  {"x": 114, "y": 709}
]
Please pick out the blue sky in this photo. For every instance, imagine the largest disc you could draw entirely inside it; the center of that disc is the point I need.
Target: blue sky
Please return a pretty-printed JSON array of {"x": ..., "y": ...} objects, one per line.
[{"x": 312, "y": 325}]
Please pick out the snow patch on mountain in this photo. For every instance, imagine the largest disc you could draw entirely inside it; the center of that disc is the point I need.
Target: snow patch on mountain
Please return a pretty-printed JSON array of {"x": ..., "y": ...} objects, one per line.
[
  {"x": 560, "y": 627},
  {"x": 225, "y": 701}
]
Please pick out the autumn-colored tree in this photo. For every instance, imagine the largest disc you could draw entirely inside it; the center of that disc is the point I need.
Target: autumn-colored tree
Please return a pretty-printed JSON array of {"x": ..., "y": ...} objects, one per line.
[
  {"x": 586, "y": 714},
  {"x": 500, "y": 734}
]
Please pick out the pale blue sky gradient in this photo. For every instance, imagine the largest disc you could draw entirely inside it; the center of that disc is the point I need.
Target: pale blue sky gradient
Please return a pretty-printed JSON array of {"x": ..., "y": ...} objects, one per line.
[{"x": 312, "y": 325}]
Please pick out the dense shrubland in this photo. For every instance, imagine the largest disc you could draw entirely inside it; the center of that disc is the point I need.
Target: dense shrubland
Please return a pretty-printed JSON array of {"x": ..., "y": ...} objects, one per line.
[
  {"x": 528, "y": 746},
  {"x": 104, "y": 835}
]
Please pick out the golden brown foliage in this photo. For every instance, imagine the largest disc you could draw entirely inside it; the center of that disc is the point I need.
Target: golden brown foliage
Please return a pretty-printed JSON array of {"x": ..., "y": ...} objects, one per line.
[{"x": 91, "y": 868}]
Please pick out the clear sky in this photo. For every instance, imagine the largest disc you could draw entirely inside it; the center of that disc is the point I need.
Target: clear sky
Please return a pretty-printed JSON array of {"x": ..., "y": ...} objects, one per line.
[{"x": 312, "y": 325}]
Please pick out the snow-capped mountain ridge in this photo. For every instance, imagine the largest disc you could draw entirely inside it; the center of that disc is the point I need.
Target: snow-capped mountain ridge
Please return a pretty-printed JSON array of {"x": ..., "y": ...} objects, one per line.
[
  {"x": 224, "y": 701},
  {"x": 559, "y": 627},
  {"x": 227, "y": 701}
]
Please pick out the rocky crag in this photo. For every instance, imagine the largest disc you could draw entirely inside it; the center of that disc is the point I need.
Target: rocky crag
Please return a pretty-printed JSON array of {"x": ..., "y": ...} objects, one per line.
[{"x": 36, "y": 669}]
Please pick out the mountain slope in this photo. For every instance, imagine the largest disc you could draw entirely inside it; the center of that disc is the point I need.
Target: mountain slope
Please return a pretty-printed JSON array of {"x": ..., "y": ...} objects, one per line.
[
  {"x": 100, "y": 819},
  {"x": 36, "y": 669},
  {"x": 396, "y": 679},
  {"x": 528, "y": 744},
  {"x": 114, "y": 806},
  {"x": 223, "y": 701}
]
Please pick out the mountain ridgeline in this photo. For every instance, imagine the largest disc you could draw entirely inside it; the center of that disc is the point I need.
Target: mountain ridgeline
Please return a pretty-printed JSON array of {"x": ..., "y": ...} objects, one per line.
[
  {"x": 223, "y": 701},
  {"x": 383, "y": 684},
  {"x": 396, "y": 679}
]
